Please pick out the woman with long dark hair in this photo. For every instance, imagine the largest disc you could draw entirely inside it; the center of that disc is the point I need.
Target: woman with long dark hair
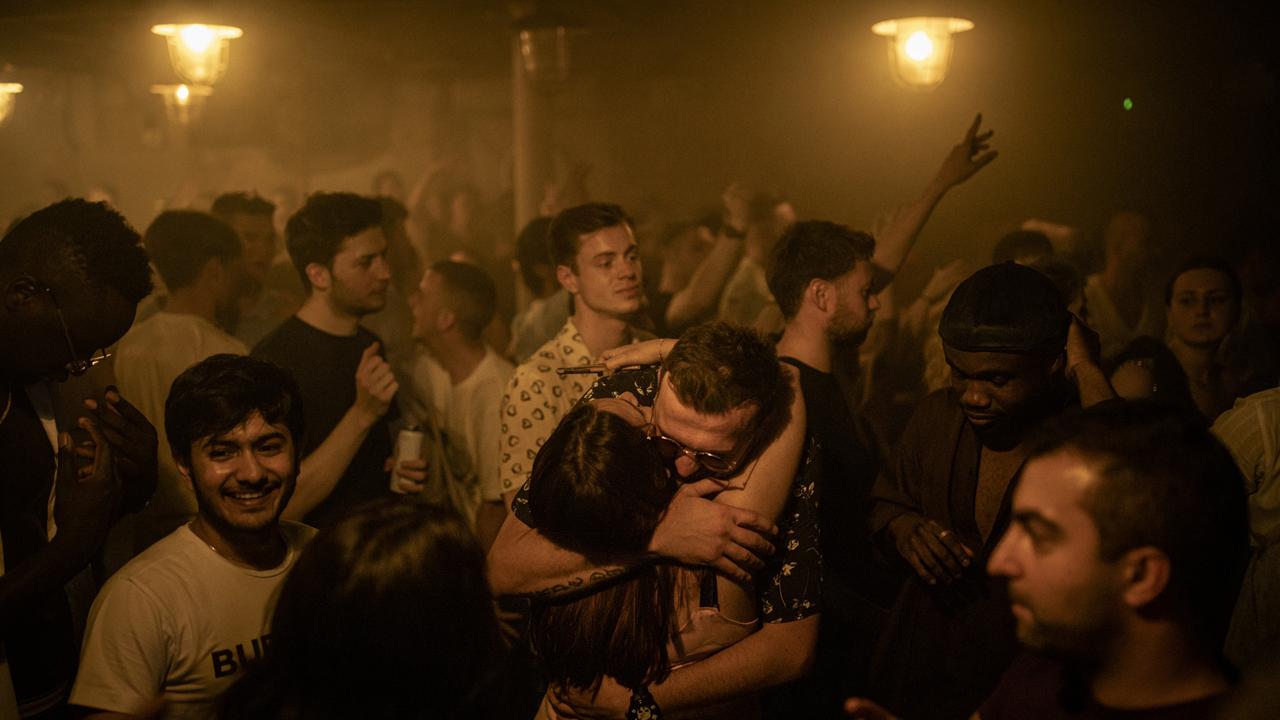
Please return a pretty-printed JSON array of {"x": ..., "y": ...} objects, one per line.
[
  {"x": 1204, "y": 303},
  {"x": 387, "y": 614},
  {"x": 599, "y": 488}
]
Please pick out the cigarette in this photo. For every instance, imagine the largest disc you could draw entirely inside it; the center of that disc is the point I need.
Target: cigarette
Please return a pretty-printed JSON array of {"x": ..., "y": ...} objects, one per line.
[{"x": 597, "y": 368}]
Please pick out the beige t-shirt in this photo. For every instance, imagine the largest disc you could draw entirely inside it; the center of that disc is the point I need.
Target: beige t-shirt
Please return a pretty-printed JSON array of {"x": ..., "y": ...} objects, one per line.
[
  {"x": 149, "y": 357},
  {"x": 180, "y": 621}
]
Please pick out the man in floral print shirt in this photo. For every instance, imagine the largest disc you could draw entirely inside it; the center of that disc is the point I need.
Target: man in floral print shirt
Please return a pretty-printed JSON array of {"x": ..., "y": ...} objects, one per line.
[
  {"x": 712, "y": 404},
  {"x": 598, "y": 262}
]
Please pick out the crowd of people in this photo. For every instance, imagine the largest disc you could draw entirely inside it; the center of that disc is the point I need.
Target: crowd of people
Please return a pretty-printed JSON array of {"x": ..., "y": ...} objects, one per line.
[{"x": 344, "y": 477}]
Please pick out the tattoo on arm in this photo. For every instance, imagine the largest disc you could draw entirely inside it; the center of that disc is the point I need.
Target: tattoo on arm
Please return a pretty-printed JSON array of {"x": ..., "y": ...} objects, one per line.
[{"x": 580, "y": 584}]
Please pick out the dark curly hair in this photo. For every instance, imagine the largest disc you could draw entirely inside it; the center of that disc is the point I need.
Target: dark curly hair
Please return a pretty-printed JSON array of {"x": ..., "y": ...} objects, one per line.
[
  {"x": 315, "y": 232},
  {"x": 76, "y": 242}
]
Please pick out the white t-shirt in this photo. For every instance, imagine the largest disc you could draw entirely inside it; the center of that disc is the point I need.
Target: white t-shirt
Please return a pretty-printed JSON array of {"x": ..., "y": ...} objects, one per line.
[
  {"x": 470, "y": 411},
  {"x": 149, "y": 357},
  {"x": 180, "y": 621},
  {"x": 1113, "y": 332}
]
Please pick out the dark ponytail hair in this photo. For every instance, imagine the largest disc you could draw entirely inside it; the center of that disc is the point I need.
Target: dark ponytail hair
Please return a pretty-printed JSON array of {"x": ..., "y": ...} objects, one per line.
[{"x": 599, "y": 488}]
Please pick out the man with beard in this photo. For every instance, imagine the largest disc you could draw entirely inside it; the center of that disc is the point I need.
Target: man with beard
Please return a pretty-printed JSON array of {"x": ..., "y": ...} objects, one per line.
[
  {"x": 1123, "y": 559},
  {"x": 178, "y": 623},
  {"x": 338, "y": 248},
  {"x": 1014, "y": 353},
  {"x": 822, "y": 277},
  {"x": 199, "y": 259}
]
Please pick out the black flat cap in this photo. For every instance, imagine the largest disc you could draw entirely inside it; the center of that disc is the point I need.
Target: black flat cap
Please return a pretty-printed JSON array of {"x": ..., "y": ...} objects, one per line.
[{"x": 1006, "y": 308}]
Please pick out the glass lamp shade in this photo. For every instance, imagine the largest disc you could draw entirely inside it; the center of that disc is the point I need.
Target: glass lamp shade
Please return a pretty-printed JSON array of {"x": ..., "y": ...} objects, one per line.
[
  {"x": 920, "y": 48},
  {"x": 197, "y": 52},
  {"x": 8, "y": 98},
  {"x": 182, "y": 101}
]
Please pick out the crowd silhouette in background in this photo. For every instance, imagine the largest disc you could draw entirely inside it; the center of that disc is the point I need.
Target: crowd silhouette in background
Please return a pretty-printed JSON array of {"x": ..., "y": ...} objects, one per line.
[{"x": 369, "y": 455}]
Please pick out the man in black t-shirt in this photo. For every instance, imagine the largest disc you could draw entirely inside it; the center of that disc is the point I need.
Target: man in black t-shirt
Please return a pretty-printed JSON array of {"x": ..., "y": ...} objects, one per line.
[
  {"x": 1125, "y": 552},
  {"x": 823, "y": 280},
  {"x": 337, "y": 245}
]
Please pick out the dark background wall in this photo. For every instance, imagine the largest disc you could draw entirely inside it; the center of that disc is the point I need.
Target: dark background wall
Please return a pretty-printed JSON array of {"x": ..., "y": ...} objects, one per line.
[{"x": 667, "y": 102}]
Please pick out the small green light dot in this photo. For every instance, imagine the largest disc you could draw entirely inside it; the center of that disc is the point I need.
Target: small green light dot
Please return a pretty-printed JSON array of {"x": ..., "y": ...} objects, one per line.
[{"x": 1128, "y": 103}]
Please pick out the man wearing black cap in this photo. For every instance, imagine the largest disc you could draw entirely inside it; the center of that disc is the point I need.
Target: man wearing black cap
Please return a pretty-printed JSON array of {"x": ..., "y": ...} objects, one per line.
[{"x": 1016, "y": 357}]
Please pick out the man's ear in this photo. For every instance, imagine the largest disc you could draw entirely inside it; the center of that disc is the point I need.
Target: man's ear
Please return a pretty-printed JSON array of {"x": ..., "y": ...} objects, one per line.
[
  {"x": 446, "y": 319},
  {"x": 568, "y": 278},
  {"x": 213, "y": 273},
  {"x": 1146, "y": 575},
  {"x": 320, "y": 276},
  {"x": 20, "y": 291},
  {"x": 820, "y": 293},
  {"x": 184, "y": 470}
]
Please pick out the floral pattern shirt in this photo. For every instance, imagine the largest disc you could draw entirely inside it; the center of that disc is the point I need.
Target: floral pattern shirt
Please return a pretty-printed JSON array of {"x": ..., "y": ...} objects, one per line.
[
  {"x": 790, "y": 586},
  {"x": 537, "y": 397}
]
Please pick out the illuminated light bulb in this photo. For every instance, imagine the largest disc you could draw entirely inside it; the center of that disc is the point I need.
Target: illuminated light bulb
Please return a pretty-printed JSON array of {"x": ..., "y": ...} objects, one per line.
[
  {"x": 1127, "y": 104},
  {"x": 182, "y": 102},
  {"x": 8, "y": 91},
  {"x": 199, "y": 52},
  {"x": 918, "y": 46},
  {"x": 197, "y": 38}
]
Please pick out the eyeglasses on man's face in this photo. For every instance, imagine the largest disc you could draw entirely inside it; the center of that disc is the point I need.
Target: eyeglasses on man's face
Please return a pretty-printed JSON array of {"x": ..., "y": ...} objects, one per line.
[
  {"x": 78, "y": 364},
  {"x": 671, "y": 450}
]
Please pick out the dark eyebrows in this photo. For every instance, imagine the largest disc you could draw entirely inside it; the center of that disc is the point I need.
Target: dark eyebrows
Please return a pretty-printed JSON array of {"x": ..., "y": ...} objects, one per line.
[
  {"x": 221, "y": 441},
  {"x": 1033, "y": 520},
  {"x": 983, "y": 375}
]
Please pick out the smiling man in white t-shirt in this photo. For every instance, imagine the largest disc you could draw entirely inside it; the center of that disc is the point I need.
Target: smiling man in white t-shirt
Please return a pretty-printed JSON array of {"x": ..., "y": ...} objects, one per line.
[{"x": 180, "y": 621}]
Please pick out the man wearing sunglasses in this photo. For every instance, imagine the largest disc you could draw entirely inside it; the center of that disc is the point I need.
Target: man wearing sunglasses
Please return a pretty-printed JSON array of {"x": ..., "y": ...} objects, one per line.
[
  {"x": 709, "y": 408},
  {"x": 71, "y": 276}
]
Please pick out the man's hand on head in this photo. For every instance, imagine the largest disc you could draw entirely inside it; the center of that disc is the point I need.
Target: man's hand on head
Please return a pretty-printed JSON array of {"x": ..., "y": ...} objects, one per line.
[
  {"x": 649, "y": 352},
  {"x": 698, "y": 531},
  {"x": 376, "y": 385}
]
